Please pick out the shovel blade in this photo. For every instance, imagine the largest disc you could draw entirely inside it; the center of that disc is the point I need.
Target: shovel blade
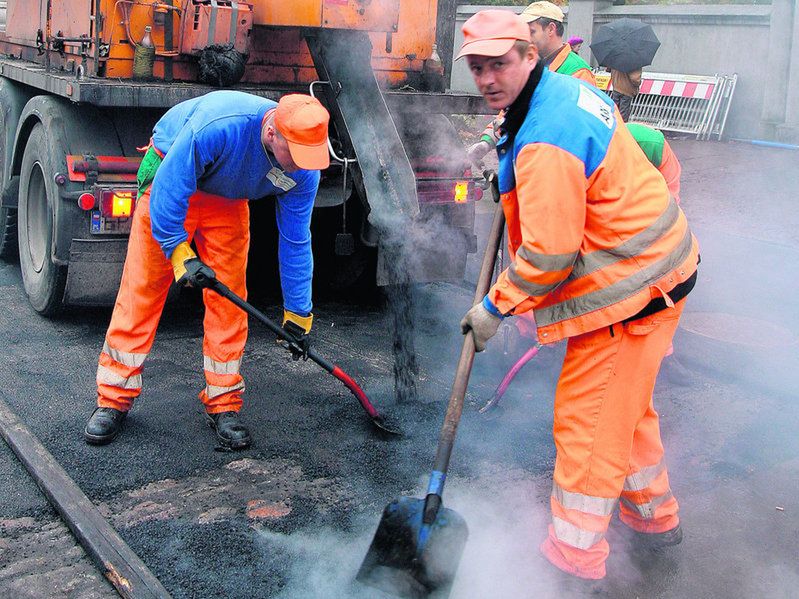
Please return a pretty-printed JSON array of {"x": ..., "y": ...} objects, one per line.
[{"x": 403, "y": 562}]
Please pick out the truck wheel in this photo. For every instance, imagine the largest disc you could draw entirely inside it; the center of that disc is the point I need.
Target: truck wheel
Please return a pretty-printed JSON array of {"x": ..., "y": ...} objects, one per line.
[{"x": 44, "y": 280}]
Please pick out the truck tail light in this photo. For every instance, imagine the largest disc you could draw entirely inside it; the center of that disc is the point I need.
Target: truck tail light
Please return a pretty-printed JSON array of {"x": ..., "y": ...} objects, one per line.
[
  {"x": 86, "y": 201},
  {"x": 446, "y": 191},
  {"x": 461, "y": 192},
  {"x": 118, "y": 203}
]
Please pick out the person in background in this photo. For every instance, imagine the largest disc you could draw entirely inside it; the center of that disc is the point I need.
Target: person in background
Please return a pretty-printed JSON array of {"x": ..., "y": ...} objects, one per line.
[
  {"x": 576, "y": 43},
  {"x": 625, "y": 88},
  {"x": 604, "y": 257},
  {"x": 545, "y": 21},
  {"x": 660, "y": 154},
  {"x": 207, "y": 156}
]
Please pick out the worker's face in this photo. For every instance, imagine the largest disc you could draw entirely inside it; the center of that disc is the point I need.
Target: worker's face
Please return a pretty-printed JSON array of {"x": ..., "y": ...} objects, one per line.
[
  {"x": 500, "y": 79},
  {"x": 544, "y": 38},
  {"x": 576, "y": 47},
  {"x": 279, "y": 147}
]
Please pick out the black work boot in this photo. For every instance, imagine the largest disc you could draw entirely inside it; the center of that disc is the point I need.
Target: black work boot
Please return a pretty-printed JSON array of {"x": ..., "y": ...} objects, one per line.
[
  {"x": 103, "y": 426},
  {"x": 230, "y": 432}
]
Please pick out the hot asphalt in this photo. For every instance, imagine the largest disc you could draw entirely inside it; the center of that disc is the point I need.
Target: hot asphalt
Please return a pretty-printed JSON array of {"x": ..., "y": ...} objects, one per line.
[{"x": 293, "y": 516}]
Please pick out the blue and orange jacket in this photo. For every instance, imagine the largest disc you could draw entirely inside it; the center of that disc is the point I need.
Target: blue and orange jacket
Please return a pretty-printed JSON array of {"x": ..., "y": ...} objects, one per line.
[
  {"x": 213, "y": 144},
  {"x": 594, "y": 236}
]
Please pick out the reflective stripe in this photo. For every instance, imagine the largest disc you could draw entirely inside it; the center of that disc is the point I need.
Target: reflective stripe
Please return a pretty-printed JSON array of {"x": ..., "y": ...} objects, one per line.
[
  {"x": 647, "y": 510},
  {"x": 231, "y": 367},
  {"x": 106, "y": 376},
  {"x": 526, "y": 286},
  {"x": 640, "y": 480},
  {"x": 574, "y": 536},
  {"x": 634, "y": 246},
  {"x": 598, "y": 506},
  {"x": 214, "y": 391},
  {"x": 602, "y": 298},
  {"x": 124, "y": 357},
  {"x": 547, "y": 262}
]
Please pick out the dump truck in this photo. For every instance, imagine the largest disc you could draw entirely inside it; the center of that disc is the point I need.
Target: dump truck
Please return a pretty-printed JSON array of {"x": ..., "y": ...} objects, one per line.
[{"x": 81, "y": 88}]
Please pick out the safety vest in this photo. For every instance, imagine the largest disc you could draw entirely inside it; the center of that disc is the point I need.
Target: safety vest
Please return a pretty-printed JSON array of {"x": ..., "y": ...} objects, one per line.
[
  {"x": 660, "y": 154},
  {"x": 593, "y": 233},
  {"x": 569, "y": 63}
]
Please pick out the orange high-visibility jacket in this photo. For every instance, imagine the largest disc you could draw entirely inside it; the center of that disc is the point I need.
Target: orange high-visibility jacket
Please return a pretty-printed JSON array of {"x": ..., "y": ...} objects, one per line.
[{"x": 593, "y": 234}]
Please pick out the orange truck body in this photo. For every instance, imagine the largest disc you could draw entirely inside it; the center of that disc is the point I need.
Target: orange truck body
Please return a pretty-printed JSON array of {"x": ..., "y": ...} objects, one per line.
[{"x": 268, "y": 31}]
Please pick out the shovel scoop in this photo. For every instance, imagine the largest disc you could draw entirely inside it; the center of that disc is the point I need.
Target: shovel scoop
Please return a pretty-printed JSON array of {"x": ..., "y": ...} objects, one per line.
[
  {"x": 418, "y": 543},
  {"x": 412, "y": 558}
]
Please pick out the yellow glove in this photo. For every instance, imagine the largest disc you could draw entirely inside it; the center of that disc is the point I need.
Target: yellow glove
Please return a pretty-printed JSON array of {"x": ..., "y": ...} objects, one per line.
[
  {"x": 299, "y": 328},
  {"x": 178, "y": 258},
  {"x": 303, "y": 322}
]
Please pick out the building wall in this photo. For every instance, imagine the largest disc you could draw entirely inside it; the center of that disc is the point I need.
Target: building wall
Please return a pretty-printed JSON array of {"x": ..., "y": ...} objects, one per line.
[{"x": 702, "y": 40}]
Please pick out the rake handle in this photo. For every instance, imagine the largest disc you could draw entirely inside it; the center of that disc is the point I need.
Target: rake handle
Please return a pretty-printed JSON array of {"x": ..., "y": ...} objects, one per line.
[{"x": 333, "y": 369}]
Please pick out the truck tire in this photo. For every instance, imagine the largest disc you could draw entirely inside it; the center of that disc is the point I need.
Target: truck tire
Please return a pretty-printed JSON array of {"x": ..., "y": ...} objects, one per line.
[{"x": 43, "y": 280}]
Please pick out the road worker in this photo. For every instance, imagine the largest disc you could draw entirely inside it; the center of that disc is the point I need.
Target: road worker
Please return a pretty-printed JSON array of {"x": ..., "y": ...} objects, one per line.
[
  {"x": 207, "y": 156},
  {"x": 660, "y": 154},
  {"x": 625, "y": 88},
  {"x": 545, "y": 20},
  {"x": 603, "y": 256}
]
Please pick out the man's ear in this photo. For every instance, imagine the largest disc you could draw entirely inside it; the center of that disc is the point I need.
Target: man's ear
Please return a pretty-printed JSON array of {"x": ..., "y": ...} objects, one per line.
[{"x": 532, "y": 53}]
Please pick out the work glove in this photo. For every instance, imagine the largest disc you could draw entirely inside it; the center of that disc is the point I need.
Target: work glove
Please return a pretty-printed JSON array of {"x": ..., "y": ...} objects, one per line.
[
  {"x": 482, "y": 323},
  {"x": 189, "y": 270},
  {"x": 299, "y": 329},
  {"x": 477, "y": 152}
]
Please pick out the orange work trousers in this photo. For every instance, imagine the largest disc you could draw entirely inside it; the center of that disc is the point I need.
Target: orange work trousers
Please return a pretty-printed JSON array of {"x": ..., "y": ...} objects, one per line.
[
  {"x": 220, "y": 230},
  {"x": 608, "y": 443}
]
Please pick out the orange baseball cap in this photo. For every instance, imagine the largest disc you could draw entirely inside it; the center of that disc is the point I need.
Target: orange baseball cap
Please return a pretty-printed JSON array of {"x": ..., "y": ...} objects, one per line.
[
  {"x": 302, "y": 120},
  {"x": 492, "y": 33}
]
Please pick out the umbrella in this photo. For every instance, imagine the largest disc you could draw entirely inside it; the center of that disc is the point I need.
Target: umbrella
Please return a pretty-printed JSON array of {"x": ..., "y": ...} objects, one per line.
[{"x": 625, "y": 45}]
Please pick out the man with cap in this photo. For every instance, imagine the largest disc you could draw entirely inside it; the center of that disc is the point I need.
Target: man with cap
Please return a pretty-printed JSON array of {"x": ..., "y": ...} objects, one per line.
[
  {"x": 206, "y": 158},
  {"x": 545, "y": 20},
  {"x": 603, "y": 257}
]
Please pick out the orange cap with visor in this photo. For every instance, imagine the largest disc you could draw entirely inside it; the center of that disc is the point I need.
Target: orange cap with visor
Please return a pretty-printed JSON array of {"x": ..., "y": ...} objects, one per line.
[
  {"x": 493, "y": 33},
  {"x": 302, "y": 121}
]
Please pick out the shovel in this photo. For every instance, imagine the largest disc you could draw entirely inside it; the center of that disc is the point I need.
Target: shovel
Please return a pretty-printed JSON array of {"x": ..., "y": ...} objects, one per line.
[
  {"x": 375, "y": 417},
  {"x": 418, "y": 543}
]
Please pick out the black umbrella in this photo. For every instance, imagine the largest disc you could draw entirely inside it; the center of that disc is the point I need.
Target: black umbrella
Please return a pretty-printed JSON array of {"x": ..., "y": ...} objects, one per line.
[{"x": 625, "y": 45}]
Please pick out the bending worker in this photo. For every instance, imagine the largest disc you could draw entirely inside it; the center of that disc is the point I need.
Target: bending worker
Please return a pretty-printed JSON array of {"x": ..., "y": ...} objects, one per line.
[
  {"x": 206, "y": 157},
  {"x": 545, "y": 20},
  {"x": 660, "y": 154},
  {"x": 603, "y": 256}
]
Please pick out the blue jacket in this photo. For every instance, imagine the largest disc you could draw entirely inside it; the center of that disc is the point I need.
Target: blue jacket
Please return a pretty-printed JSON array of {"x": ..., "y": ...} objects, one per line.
[{"x": 213, "y": 144}]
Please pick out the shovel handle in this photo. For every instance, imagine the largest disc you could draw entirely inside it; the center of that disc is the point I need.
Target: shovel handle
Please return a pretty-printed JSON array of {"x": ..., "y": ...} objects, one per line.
[{"x": 455, "y": 407}]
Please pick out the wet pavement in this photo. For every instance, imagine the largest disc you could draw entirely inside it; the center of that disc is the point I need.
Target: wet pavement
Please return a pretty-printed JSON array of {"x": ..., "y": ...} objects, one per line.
[{"x": 292, "y": 516}]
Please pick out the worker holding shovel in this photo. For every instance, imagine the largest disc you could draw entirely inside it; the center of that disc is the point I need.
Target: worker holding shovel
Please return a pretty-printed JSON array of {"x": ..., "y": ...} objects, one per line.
[
  {"x": 603, "y": 256},
  {"x": 207, "y": 156}
]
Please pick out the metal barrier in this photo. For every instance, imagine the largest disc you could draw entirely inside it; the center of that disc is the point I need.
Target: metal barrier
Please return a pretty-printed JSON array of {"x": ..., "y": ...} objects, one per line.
[{"x": 682, "y": 103}]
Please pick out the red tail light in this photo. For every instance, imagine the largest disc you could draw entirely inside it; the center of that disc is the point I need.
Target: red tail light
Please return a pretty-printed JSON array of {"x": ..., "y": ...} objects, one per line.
[{"x": 86, "y": 201}]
